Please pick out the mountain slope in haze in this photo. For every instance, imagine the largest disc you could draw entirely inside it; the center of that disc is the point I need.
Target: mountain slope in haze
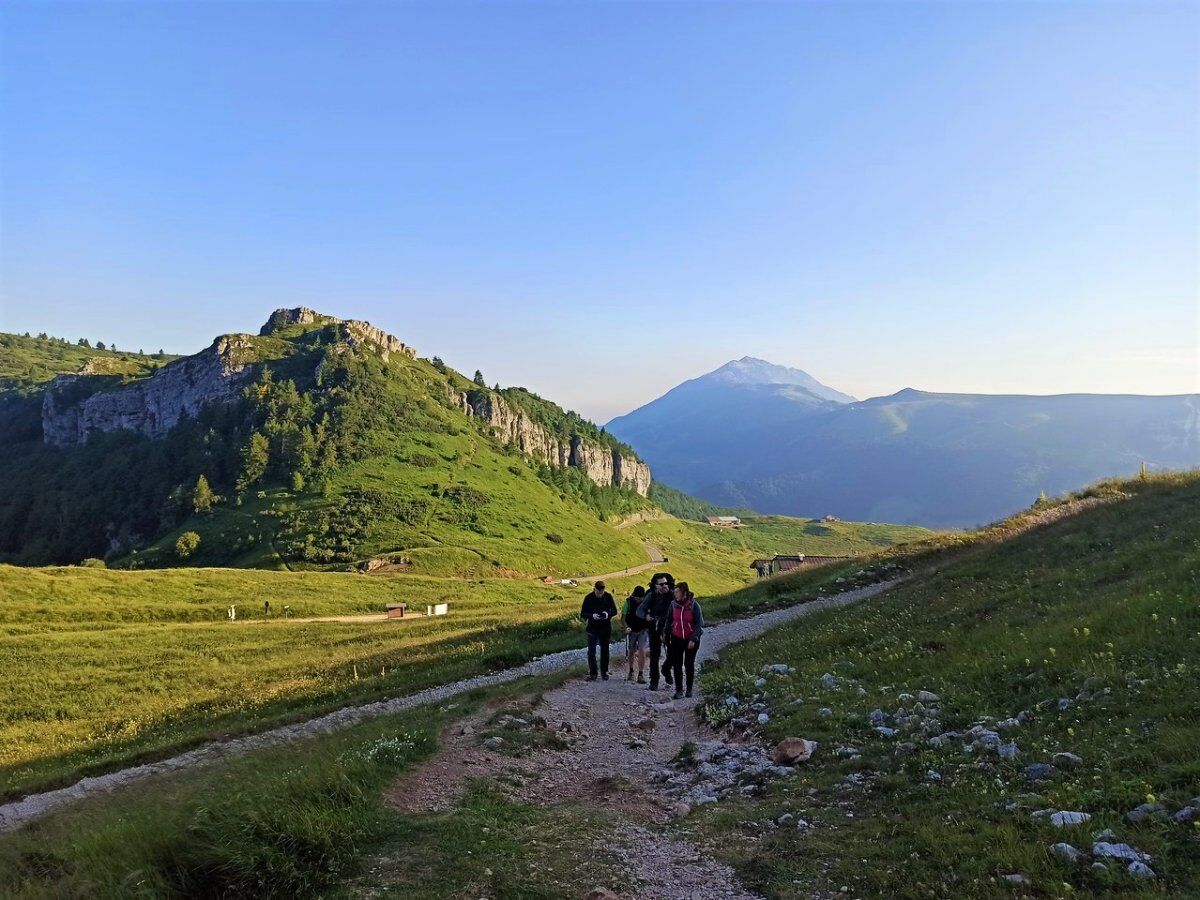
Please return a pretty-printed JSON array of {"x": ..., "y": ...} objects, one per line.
[
  {"x": 939, "y": 460},
  {"x": 697, "y": 427},
  {"x": 318, "y": 442}
]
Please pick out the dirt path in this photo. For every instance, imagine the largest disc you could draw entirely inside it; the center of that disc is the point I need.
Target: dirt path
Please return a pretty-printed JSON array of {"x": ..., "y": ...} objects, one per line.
[
  {"x": 17, "y": 813},
  {"x": 610, "y": 738},
  {"x": 601, "y": 744},
  {"x": 656, "y": 557}
]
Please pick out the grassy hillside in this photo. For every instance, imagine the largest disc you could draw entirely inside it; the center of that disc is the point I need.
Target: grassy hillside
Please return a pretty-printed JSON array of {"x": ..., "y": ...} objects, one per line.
[
  {"x": 26, "y": 362},
  {"x": 1087, "y": 629},
  {"x": 332, "y": 456}
]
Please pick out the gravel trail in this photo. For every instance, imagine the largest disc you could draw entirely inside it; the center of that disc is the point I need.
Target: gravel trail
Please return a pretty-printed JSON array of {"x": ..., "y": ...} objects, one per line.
[{"x": 19, "y": 812}]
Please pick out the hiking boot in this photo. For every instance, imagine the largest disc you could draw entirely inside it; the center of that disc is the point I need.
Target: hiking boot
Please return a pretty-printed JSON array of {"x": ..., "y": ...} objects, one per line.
[
  {"x": 604, "y": 675},
  {"x": 641, "y": 678},
  {"x": 629, "y": 677},
  {"x": 688, "y": 692},
  {"x": 654, "y": 687},
  {"x": 590, "y": 678},
  {"x": 669, "y": 679},
  {"x": 678, "y": 695}
]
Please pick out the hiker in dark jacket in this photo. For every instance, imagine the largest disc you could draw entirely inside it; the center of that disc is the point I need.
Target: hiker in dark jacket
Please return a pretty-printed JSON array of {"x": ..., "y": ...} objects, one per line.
[
  {"x": 598, "y": 611},
  {"x": 654, "y": 611},
  {"x": 637, "y": 637},
  {"x": 684, "y": 625}
]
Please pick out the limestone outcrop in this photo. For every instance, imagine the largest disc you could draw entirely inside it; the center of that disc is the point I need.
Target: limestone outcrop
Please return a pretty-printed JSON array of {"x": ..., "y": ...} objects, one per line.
[
  {"x": 603, "y": 465},
  {"x": 152, "y": 406},
  {"x": 75, "y": 406},
  {"x": 357, "y": 333}
]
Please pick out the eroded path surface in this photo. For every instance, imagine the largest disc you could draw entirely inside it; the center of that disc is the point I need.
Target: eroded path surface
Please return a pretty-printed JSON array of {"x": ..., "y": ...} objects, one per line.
[{"x": 606, "y": 741}]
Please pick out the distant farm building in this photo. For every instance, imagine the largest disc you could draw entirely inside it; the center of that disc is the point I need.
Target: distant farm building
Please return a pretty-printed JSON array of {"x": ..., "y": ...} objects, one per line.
[
  {"x": 831, "y": 518},
  {"x": 778, "y": 565},
  {"x": 725, "y": 522}
]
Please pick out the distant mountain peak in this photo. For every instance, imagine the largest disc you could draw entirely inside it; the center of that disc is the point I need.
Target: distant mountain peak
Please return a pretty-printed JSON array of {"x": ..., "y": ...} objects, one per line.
[{"x": 750, "y": 370}]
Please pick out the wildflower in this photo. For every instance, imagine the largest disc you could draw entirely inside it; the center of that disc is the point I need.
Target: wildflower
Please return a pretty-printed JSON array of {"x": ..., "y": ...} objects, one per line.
[
  {"x": 1087, "y": 631},
  {"x": 1071, "y": 731},
  {"x": 1150, "y": 798},
  {"x": 1154, "y": 617},
  {"x": 1052, "y": 651}
]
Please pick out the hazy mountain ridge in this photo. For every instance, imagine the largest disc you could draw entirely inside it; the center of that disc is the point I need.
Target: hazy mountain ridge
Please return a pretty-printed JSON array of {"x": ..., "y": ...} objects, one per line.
[{"x": 936, "y": 459}]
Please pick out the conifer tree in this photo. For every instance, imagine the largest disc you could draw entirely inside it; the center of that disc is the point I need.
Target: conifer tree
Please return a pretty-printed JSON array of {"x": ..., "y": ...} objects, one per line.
[{"x": 202, "y": 496}]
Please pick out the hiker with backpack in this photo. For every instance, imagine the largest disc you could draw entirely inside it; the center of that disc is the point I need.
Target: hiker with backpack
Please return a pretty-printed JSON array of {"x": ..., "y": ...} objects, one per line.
[
  {"x": 683, "y": 625},
  {"x": 637, "y": 636},
  {"x": 598, "y": 611},
  {"x": 654, "y": 611}
]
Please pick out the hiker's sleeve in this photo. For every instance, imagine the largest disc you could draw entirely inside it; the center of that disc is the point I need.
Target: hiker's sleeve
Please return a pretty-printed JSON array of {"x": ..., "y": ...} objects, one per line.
[
  {"x": 583, "y": 610},
  {"x": 643, "y": 609},
  {"x": 699, "y": 620},
  {"x": 612, "y": 608}
]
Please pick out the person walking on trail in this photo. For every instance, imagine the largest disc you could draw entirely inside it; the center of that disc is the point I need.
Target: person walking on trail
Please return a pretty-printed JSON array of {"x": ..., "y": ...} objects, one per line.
[
  {"x": 684, "y": 625},
  {"x": 598, "y": 611},
  {"x": 654, "y": 611},
  {"x": 637, "y": 637}
]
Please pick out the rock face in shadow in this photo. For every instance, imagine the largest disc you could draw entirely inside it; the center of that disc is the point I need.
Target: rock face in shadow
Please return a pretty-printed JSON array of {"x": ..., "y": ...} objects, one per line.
[
  {"x": 153, "y": 406},
  {"x": 603, "y": 465}
]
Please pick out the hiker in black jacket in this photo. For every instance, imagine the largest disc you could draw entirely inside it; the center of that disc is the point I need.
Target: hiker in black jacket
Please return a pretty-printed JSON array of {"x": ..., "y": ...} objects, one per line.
[
  {"x": 654, "y": 610},
  {"x": 598, "y": 611},
  {"x": 637, "y": 638}
]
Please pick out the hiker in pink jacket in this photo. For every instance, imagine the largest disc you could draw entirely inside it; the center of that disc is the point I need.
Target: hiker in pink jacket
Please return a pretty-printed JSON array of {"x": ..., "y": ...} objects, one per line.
[{"x": 682, "y": 627}]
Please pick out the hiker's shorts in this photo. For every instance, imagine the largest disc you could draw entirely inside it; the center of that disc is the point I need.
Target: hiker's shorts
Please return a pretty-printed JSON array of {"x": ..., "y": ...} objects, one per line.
[{"x": 637, "y": 640}]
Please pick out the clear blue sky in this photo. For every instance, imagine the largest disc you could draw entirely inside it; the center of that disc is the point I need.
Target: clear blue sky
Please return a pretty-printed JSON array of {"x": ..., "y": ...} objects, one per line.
[{"x": 598, "y": 200}]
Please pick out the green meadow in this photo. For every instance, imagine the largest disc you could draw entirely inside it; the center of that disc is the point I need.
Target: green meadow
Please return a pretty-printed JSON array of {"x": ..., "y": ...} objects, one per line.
[{"x": 1098, "y": 609}]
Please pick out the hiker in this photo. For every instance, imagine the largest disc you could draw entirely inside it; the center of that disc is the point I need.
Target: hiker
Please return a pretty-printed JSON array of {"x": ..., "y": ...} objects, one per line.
[
  {"x": 654, "y": 611},
  {"x": 684, "y": 625},
  {"x": 637, "y": 636},
  {"x": 598, "y": 611}
]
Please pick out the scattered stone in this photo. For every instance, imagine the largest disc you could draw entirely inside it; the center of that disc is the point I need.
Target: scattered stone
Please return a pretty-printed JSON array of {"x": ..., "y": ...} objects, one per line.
[
  {"x": 1146, "y": 811},
  {"x": 1066, "y": 852},
  {"x": 906, "y": 698},
  {"x": 1065, "y": 703},
  {"x": 885, "y": 731},
  {"x": 1119, "y": 851},
  {"x": 1066, "y": 760},
  {"x": 877, "y": 717},
  {"x": 1016, "y": 879},
  {"x": 731, "y": 702},
  {"x": 931, "y": 775},
  {"x": 493, "y": 743},
  {"x": 1140, "y": 870},
  {"x": 1042, "y": 813},
  {"x": 760, "y": 682},
  {"x": 928, "y": 697},
  {"x": 846, "y": 752},
  {"x": 1099, "y": 868},
  {"x": 793, "y": 750},
  {"x": 646, "y": 724},
  {"x": 784, "y": 819},
  {"x": 636, "y": 743},
  {"x": 1061, "y": 819},
  {"x": 801, "y": 824},
  {"x": 1038, "y": 771},
  {"x": 1107, "y": 835},
  {"x": 1008, "y": 751},
  {"x": 906, "y": 747},
  {"x": 825, "y": 711},
  {"x": 1008, "y": 724},
  {"x": 1187, "y": 814},
  {"x": 601, "y": 893},
  {"x": 829, "y": 682},
  {"x": 466, "y": 729},
  {"x": 1024, "y": 716},
  {"x": 763, "y": 718},
  {"x": 943, "y": 739},
  {"x": 777, "y": 669}
]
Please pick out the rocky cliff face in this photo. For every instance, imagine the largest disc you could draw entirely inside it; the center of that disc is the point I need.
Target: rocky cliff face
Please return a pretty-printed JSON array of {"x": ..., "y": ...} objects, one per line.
[
  {"x": 72, "y": 408},
  {"x": 153, "y": 406},
  {"x": 601, "y": 464}
]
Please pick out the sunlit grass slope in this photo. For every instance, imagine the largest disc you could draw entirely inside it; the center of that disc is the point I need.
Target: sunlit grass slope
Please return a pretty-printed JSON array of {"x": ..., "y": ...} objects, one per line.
[{"x": 1099, "y": 609}]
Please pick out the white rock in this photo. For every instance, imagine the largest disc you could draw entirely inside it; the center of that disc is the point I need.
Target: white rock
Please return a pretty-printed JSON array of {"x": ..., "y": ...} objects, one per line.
[{"x": 1061, "y": 819}]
